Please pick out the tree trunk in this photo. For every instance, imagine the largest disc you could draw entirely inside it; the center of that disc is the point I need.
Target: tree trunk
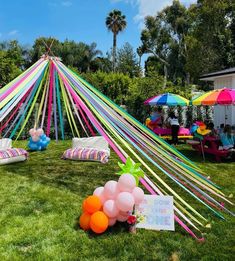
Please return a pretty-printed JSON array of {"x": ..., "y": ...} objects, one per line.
[
  {"x": 165, "y": 76},
  {"x": 165, "y": 64},
  {"x": 187, "y": 77},
  {"x": 114, "y": 51},
  {"x": 140, "y": 56},
  {"x": 140, "y": 71}
]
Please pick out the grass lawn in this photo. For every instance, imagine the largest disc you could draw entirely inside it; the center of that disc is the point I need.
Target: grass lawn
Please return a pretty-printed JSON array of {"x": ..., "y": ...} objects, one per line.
[{"x": 41, "y": 199}]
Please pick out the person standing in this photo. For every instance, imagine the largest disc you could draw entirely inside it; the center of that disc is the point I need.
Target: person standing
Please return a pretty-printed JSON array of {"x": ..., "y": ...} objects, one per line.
[{"x": 175, "y": 126}]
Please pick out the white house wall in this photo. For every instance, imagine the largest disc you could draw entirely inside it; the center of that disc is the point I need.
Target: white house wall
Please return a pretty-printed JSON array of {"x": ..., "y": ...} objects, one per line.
[{"x": 222, "y": 82}]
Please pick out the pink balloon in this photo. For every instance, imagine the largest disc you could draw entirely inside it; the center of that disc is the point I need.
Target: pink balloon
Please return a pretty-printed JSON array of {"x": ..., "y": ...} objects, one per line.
[
  {"x": 110, "y": 208},
  {"x": 35, "y": 138},
  {"x": 112, "y": 221},
  {"x": 111, "y": 189},
  {"x": 126, "y": 183},
  {"x": 122, "y": 218},
  {"x": 99, "y": 192},
  {"x": 32, "y": 132},
  {"x": 125, "y": 213},
  {"x": 138, "y": 195},
  {"x": 39, "y": 131},
  {"x": 125, "y": 201}
]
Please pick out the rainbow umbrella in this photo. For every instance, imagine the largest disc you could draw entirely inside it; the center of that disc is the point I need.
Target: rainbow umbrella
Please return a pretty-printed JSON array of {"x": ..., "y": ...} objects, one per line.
[
  {"x": 222, "y": 96},
  {"x": 168, "y": 99}
]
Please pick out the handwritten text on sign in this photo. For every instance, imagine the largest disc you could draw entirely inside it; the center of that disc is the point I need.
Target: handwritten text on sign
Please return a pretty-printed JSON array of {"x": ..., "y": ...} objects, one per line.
[{"x": 156, "y": 212}]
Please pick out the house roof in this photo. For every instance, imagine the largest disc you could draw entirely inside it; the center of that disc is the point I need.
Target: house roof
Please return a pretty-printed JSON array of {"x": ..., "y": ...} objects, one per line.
[{"x": 213, "y": 75}]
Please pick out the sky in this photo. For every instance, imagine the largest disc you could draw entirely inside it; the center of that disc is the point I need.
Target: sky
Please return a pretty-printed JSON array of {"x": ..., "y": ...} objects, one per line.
[{"x": 79, "y": 20}]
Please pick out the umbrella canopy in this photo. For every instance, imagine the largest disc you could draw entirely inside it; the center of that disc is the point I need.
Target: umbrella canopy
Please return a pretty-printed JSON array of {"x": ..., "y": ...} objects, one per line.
[
  {"x": 169, "y": 99},
  {"x": 223, "y": 96}
]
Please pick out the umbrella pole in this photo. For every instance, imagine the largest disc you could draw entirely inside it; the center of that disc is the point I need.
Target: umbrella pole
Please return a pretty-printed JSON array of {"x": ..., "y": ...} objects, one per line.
[
  {"x": 202, "y": 149},
  {"x": 225, "y": 112}
]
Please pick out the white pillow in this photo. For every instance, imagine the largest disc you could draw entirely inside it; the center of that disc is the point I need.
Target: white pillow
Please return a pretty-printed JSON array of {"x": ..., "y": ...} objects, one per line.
[
  {"x": 97, "y": 142},
  {"x": 5, "y": 143}
]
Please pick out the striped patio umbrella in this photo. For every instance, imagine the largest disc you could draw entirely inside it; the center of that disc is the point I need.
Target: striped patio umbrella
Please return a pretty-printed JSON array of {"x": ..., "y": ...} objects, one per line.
[
  {"x": 222, "y": 96},
  {"x": 168, "y": 99}
]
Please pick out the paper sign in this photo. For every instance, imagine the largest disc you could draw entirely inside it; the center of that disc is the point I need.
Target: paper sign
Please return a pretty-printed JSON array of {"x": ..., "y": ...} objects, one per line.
[{"x": 155, "y": 213}]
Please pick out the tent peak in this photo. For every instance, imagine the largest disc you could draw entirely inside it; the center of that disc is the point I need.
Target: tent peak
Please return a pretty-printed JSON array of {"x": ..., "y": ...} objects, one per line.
[{"x": 52, "y": 58}]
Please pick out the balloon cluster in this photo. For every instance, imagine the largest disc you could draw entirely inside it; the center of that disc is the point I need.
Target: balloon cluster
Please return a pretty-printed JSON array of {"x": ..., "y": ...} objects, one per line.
[
  {"x": 199, "y": 129},
  {"x": 38, "y": 140},
  {"x": 111, "y": 203}
]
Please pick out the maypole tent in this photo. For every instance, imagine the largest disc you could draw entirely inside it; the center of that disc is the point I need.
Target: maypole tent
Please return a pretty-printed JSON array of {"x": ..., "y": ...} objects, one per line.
[{"x": 57, "y": 90}]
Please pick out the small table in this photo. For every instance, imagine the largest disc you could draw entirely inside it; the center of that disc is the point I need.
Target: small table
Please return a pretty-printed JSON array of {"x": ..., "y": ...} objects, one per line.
[{"x": 210, "y": 145}]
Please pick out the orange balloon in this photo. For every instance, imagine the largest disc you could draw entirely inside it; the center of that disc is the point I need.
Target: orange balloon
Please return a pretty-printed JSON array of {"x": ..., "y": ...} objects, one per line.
[
  {"x": 92, "y": 204},
  {"x": 99, "y": 222},
  {"x": 84, "y": 221},
  {"x": 83, "y": 206}
]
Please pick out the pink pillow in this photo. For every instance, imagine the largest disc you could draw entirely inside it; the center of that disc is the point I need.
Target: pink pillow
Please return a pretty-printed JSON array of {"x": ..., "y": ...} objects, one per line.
[
  {"x": 11, "y": 153},
  {"x": 86, "y": 154}
]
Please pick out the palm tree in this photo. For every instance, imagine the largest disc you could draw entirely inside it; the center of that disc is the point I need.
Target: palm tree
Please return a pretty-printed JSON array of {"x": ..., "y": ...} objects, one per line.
[
  {"x": 90, "y": 54},
  {"x": 115, "y": 22}
]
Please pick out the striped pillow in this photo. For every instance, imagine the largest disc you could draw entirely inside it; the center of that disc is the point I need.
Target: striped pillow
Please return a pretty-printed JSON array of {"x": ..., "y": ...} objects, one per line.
[
  {"x": 87, "y": 154},
  {"x": 11, "y": 153}
]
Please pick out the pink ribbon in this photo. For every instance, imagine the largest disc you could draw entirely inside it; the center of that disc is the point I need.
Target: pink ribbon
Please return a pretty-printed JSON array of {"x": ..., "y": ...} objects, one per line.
[{"x": 50, "y": 100}]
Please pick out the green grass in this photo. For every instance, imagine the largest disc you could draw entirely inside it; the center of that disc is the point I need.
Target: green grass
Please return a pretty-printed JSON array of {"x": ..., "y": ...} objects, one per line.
[{"x": 41, "y": 200}]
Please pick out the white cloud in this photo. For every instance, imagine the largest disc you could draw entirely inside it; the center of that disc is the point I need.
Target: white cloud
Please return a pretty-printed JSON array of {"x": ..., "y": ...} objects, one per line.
[
  {"x": 66, "y": 3},
  {"x": 13, "y": 32},
  {"x": 150, "y": 7}
]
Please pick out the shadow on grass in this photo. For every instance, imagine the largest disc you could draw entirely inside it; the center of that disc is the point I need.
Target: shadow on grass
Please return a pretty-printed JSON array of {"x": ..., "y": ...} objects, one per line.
[{"x": 116, "y": 229}]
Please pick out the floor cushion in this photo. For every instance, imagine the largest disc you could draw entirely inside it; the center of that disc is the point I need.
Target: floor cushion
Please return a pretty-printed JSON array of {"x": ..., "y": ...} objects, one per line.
[
  {"x": 12, "y": 155},
  {"x": 97, "y": 142},
  {"x": 86, "y": 154}
]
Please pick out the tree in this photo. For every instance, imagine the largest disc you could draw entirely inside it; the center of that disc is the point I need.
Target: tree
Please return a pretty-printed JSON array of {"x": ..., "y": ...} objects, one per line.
[
  {"x": 155, "y": 40},
  {"x": 116, "y": 23},
  {"x": 41, "y": 46},
  {"x": 140, "y": 53},
  {"x": 127, "y": 61},
  {"x": 90, "y": 54},
  {"x": 141, "y": 89},
  {"x": 191, "y": 41},
  {"x": 113, "y": 85},
  {"x": 8, "y": 69},
  {"x": 176, "y": 18},
  {"x": 79, "y": 55},
  {"x": 15, "y": 52},
  {"x": 214, "y": 31},
  {"x": 101, "y": 64}
]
